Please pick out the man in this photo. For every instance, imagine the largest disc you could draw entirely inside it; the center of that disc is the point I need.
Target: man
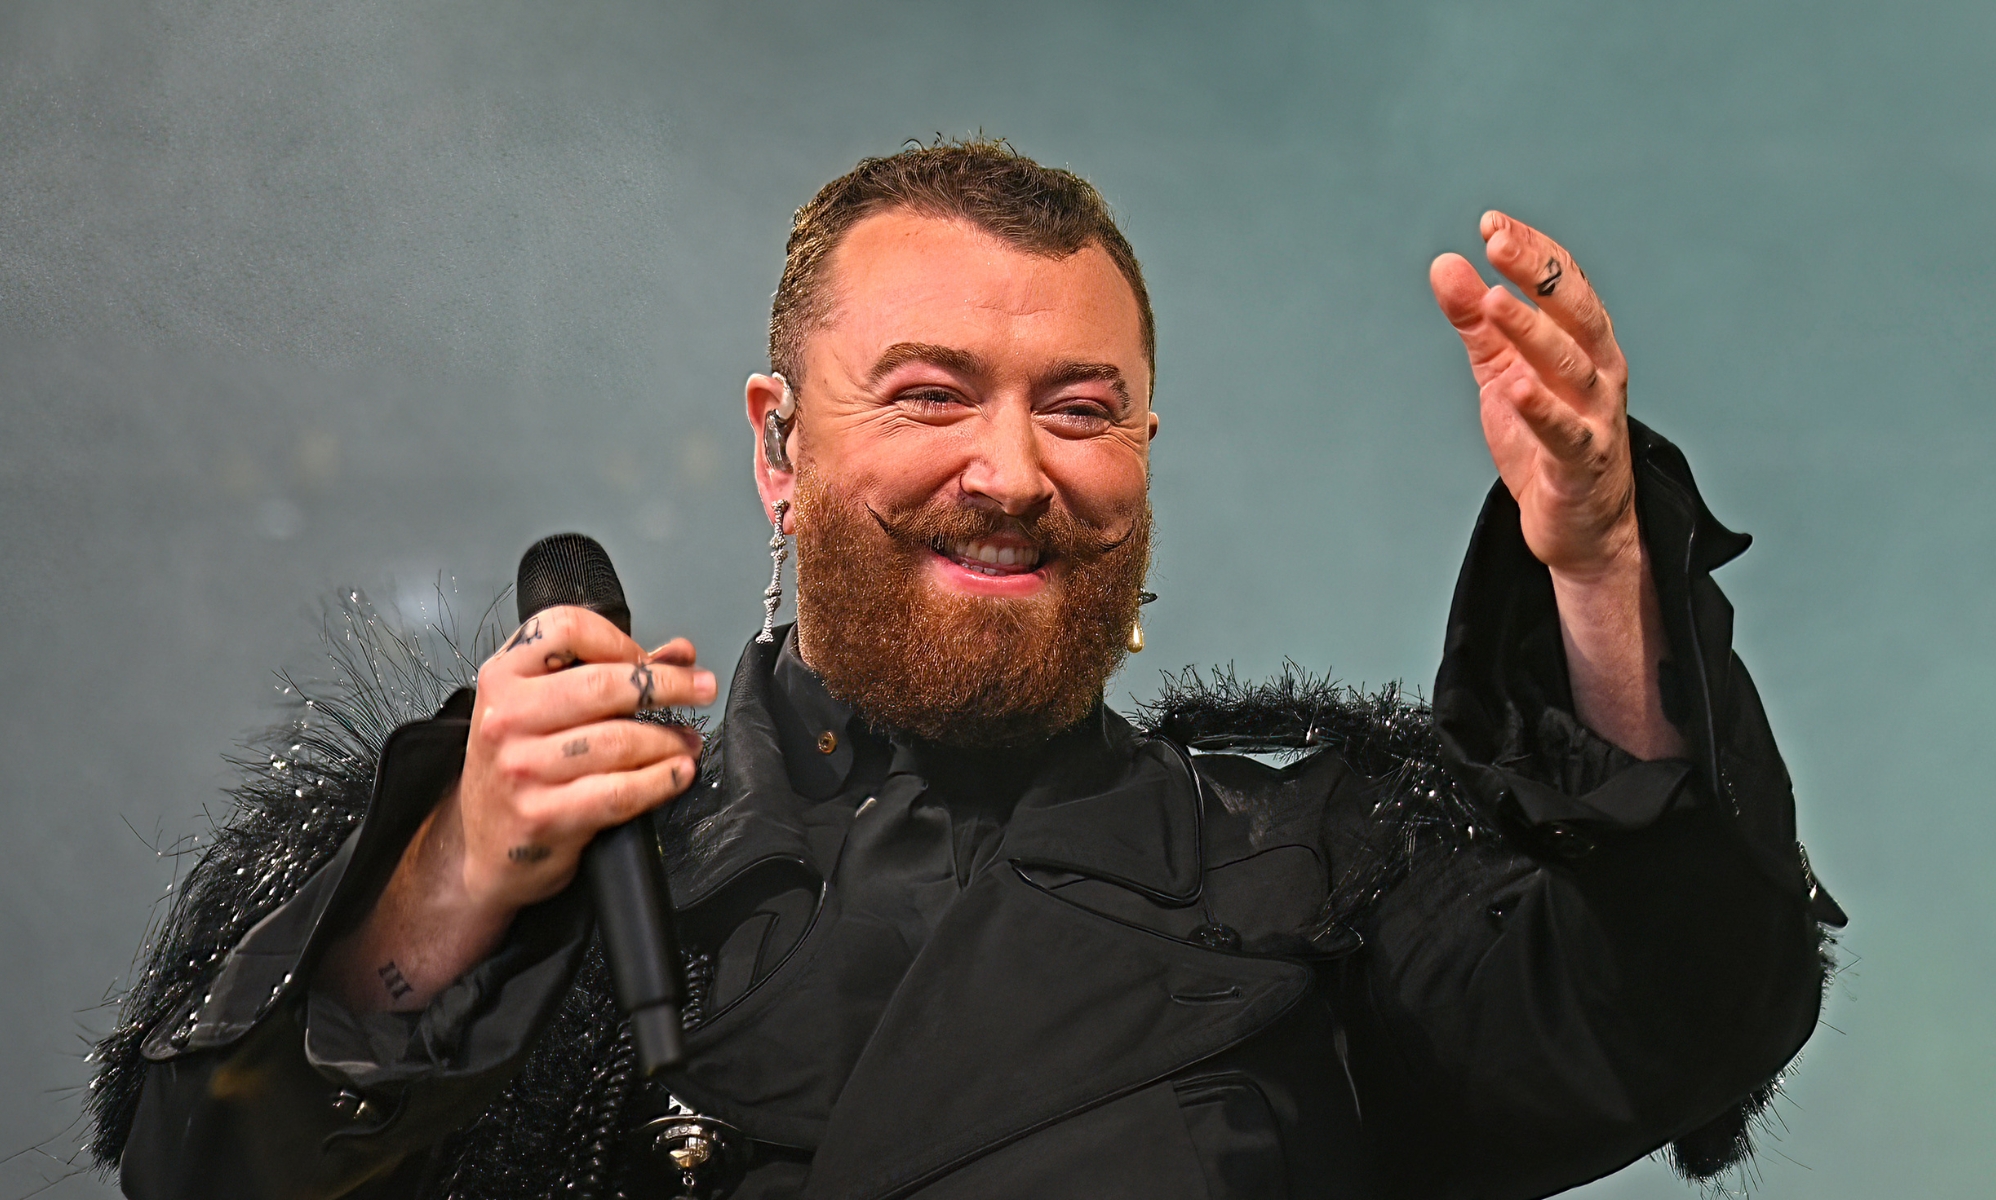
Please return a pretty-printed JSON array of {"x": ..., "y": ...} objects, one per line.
[{"x": 955, "y": 929}]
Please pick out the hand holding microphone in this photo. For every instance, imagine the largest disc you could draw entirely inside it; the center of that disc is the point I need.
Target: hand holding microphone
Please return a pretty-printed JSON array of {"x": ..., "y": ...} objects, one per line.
[{"x": 551, "y": 761}]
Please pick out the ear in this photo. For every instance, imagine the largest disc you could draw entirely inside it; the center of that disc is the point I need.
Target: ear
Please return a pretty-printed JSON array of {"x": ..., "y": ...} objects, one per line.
[{"x": 764, "y": 394}]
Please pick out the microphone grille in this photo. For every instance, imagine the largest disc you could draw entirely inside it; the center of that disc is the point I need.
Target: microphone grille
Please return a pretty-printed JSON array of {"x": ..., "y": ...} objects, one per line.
[{"x": 571, "y": 568}]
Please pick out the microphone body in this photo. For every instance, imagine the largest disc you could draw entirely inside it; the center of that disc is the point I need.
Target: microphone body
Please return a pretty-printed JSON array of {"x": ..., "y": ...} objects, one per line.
[{"x": 623, "y": 865}]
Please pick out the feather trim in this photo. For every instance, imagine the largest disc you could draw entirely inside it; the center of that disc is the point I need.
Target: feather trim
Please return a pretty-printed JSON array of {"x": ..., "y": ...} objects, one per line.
[
  {"x": 303, "y": 786},
  {"x": 1387, "y": 734}
]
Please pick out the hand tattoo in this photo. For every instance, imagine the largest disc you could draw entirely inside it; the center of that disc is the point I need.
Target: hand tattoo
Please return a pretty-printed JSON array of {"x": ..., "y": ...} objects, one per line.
[
  {"x": 1554, "y": 272},
  {"x": 575, "y": 748},
  {"x": 528, "y": 853},
  {"x": 391, "y": 978},
  {"x": 523, "y": 636},
  {"x": 641, "y": 679}
]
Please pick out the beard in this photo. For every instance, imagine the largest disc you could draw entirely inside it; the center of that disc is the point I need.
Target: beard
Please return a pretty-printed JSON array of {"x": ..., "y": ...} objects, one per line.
[{"x": 978, "y": 672}]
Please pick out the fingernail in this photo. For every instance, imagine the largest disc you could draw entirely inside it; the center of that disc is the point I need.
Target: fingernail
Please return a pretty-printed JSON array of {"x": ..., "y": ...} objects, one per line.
[{"x": 704, "y": 680}]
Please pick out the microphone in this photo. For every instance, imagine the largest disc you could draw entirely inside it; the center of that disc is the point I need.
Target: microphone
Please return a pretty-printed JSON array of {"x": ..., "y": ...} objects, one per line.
[{"x": 625, "y": 870}]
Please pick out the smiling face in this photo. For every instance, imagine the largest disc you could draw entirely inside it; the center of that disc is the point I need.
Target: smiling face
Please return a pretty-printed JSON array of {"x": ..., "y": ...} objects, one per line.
[{"x": 972, "y": 452}]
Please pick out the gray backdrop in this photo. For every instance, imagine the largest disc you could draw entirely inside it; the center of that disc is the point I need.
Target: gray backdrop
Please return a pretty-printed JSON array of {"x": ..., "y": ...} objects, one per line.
[{"x": 296, "y": 298}]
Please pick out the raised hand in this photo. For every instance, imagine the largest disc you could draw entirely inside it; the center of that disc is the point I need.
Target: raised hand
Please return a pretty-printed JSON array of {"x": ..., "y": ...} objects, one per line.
[
  {"x": 1553, "y": 393},
  {"x": 551, "y": 760}
]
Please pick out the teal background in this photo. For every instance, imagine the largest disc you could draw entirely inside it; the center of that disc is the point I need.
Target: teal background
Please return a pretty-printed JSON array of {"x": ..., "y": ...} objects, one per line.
[{"x": 296, "y": 298}]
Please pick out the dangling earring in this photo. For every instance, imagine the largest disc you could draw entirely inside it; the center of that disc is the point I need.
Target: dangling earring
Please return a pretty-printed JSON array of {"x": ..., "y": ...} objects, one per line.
[
  {"x": 1136, "y": 642},
  {"x": 779, "y": 549}
]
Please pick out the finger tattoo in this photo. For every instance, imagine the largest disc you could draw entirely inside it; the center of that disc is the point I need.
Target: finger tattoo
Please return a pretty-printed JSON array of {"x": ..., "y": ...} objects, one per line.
[
  {"x": 579, "y": 746},
  {"x": 530, "y": 853},
  {"x": 1554, "y": 272},
  {"x": 524, "y": 636},
  {"x": 391, "y": 978},
  {"x": 641, "y": 679}
]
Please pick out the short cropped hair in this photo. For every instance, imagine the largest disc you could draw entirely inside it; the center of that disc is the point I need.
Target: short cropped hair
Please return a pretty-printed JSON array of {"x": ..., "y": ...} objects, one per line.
[{"x": 1041, "y": 210}]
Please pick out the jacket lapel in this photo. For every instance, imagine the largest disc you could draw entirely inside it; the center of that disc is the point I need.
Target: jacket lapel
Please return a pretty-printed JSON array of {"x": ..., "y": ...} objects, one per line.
[{"x": 762, "y": 817}]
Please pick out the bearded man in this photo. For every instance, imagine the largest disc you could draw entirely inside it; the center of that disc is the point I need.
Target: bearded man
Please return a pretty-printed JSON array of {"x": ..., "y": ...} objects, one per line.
[{"x": 955, "y": 929}]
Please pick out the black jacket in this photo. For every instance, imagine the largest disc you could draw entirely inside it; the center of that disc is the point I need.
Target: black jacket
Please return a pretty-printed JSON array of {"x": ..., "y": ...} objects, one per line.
[{"x": 1490, "y": 956}]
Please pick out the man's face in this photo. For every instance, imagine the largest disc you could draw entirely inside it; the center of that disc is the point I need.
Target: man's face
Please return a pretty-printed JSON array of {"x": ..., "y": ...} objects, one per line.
[{"x": 973, "y": 445}]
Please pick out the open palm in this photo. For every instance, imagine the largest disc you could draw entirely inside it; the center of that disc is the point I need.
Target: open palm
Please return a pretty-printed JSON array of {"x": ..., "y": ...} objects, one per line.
[{"x": 1553, "y": 388}]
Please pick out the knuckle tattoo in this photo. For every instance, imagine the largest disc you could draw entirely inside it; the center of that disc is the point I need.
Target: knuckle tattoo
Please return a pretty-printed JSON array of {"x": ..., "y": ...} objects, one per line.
[
  {"x": 646, "y": 685},
  {"x": 527, "y": 634},
  {"x": 1550, "y": 277}
]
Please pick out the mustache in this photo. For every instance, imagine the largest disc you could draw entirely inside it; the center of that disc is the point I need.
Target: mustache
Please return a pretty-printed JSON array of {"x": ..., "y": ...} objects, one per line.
[{"x": 1055, "y": 532}]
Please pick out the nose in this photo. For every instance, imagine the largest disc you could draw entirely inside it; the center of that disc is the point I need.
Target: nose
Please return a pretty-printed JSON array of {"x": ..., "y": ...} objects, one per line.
[{"x": 1006, "y": 469}]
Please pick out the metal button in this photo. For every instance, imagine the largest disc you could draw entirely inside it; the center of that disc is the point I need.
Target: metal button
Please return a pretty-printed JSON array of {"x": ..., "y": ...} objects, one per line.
[
  {"x": 1215, "y": 936},
  {"x": 827, "y": 742},
  {"x": 354, "y": 1106}
]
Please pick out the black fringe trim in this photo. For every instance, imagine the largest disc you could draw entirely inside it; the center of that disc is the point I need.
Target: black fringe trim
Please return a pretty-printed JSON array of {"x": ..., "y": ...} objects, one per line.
[
  {"x": 1387, "y": 734},
  {"x": 303, "y": 788}
]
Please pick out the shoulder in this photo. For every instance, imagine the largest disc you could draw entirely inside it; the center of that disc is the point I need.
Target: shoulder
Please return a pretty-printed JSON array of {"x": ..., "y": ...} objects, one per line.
[
  {"x": 1250, "y": 805},
  {"x": 1288, "y": 748},
  {"x": 1303, "y": 760}
]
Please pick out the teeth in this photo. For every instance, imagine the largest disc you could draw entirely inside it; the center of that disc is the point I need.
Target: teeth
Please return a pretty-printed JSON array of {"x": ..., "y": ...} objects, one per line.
[{"x": 983, "y": 556}]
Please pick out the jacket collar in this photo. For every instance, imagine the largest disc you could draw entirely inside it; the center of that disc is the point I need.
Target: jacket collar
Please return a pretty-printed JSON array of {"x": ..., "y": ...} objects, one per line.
[
  {"x": 1100, "y": 800},
  {"x": 1110, "y": 804}
]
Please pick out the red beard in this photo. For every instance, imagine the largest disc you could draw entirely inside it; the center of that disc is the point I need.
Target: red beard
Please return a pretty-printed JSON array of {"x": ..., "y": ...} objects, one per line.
[{"x": 957, "y": 669}]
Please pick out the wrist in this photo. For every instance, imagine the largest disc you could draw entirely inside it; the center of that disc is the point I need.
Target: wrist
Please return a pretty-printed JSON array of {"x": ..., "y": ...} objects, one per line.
[
  {"x": 1618, "y": 561},
  {"x": 426, "y": 928}
]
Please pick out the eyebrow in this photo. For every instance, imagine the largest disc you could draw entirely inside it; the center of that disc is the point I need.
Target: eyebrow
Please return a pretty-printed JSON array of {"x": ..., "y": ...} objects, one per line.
[
  {"x": 963, "y": 362},
  {"x": 1084, "y": 372},
  {"x": 900, "y": 354}
]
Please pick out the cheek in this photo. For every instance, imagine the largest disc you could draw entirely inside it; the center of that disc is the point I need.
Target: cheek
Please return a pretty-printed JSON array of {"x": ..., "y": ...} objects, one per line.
[
  {"x": 1102, "y": 480},
  {"x": 901, "y": 469}
]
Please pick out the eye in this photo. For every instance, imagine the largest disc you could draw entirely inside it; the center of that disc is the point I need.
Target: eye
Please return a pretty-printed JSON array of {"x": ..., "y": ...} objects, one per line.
[
  {"x": 930, "y": 399},
  {"x": 1079, "y": 412}
]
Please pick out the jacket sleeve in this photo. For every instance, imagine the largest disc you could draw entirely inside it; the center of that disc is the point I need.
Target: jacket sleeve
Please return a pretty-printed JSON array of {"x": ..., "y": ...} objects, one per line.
[
  {"x": 264, "y": 1087},
  {"x": 1639, "y": 949}
]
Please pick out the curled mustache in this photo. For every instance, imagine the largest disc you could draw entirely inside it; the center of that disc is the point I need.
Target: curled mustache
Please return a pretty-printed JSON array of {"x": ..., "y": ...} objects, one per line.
[
  {"x": 950, "y": 667},
  {"x": 1054, "y": 532}
]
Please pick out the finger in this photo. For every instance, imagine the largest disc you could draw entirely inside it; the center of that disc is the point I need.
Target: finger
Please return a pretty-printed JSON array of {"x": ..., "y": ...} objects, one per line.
[
  {"x": 607, "y": 746},
  {"x": 558, "y": 637},
  {"x": 679, "y": 652},
  {"x": 1520, "y": 396},
  {"x": 596, "y": 802},
  {"x": 1544, "y": 270},
  {"x": 1550, "y": 350},
  {"x": 591, "y": 692},
  {"x": 1459, "y": 292}
]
